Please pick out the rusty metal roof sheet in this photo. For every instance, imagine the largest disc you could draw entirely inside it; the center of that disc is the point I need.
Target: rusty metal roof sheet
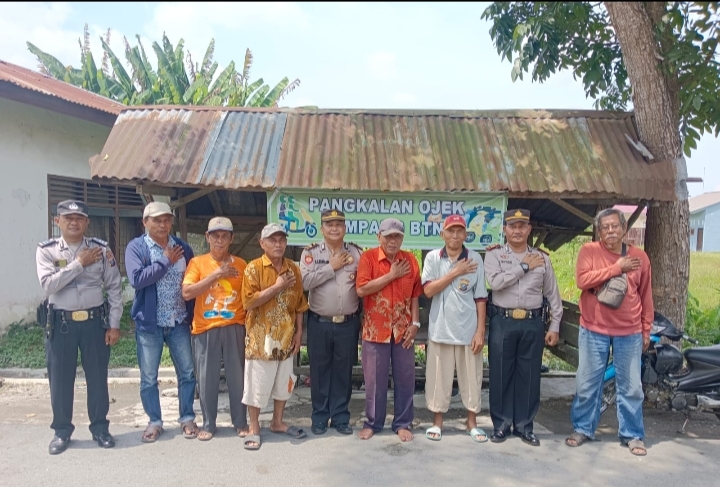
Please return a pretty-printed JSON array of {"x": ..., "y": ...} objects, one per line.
[
  {"x": 200, "y": 147},
  {"x": 32, "y": 80},
  {"x": 527, "y": 153}
]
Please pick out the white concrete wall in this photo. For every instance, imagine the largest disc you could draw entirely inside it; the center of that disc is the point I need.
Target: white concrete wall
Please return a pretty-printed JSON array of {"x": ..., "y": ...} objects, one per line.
[
  {"x": 711, "y": 240},
  {"x": 34, "y": 143}
]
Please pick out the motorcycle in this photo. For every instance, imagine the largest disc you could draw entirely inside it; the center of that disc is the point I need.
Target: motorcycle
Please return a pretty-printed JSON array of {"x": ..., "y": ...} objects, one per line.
[{"x": 666, "y": 383}]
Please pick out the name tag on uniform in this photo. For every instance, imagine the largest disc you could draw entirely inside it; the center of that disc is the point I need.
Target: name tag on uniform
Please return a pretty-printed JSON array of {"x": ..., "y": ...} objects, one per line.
[{"x": 60, "y": 263}]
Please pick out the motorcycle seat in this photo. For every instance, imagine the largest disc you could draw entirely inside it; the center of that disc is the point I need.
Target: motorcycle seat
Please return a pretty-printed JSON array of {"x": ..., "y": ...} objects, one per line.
[{"x": 708, "y": 355}]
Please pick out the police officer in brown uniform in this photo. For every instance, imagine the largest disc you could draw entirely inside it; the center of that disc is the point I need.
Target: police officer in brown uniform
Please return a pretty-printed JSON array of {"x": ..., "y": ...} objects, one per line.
[
  {"x": 328, "y": 272},
  {"x": 519, "y": 277},
  {"x": 74, "y": 271}
]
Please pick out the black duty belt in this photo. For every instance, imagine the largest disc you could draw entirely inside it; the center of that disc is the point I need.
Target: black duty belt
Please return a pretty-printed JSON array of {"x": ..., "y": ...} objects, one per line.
[
  {"x": 333, "y": 319},
  {"x": 519, "y": 314},
  {"x": 78, "y": 316}
]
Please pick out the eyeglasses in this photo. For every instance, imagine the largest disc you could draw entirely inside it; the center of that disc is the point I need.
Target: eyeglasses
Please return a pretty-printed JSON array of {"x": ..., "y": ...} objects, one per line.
[{"x": 614, "y": 226}]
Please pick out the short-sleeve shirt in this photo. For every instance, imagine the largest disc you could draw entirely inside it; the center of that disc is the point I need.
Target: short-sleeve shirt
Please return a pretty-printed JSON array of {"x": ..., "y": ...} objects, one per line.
[
  {"x": 271, "y": 326},
  {"x": 221, "y": 305},
  {"x": 387, "y": 312},
  {"x": 453, "y": 312},
  {"x": 171, "y": 308}
]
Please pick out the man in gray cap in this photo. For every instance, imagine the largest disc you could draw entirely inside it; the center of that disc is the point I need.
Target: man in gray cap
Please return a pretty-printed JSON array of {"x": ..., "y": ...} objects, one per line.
[
  {"x": 388, "y": 280},
  {"x": 155, "y": 264},
  {"x": 273, "y": 298},
  {"x": 74, "y": 271},
  {"x": 328, "y": 271}
]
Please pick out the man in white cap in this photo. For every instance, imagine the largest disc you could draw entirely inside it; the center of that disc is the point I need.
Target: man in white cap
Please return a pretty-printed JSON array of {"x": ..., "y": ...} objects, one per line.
[
  {"x": 155, "y": 263},
  {"x": 273, "y": 296},
  {"x": 218, "y": 327},
  {"x": 455, "y": 280},
  {"x": 388, "y": 280}
]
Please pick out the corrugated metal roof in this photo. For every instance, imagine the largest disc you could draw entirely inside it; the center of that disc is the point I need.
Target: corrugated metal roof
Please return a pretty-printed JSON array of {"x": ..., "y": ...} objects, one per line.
[
  {"x": 35, "y": 81},
  {"x": 205, "y": 147},
  {"x": 528, "y": 153}
]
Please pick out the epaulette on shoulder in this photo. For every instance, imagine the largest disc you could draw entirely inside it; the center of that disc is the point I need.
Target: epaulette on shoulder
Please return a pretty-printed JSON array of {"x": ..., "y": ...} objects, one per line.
[
  {"x": 311, "y": 246},
  {"x": 543, "y": 251},
  {"x": 99, "y": 242},
  {"x": 47, "y": 242},
  {"x": 492, "y": 247},
  {"x": 360, "y": 249}
]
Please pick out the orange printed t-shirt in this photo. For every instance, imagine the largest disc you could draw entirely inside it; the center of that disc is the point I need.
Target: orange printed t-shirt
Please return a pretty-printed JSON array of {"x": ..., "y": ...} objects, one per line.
[
  {"x": 222, "y": 304},
  {"x": 271, "y": 326},
  {"x": 387, "y": 312}
]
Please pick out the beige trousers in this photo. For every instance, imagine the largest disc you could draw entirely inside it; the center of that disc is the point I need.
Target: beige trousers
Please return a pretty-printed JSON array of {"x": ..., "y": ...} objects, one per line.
[{"x": 442, "y": 361}]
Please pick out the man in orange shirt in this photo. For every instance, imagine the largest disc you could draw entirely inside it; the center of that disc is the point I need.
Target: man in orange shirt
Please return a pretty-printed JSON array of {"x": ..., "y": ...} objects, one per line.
[
  {"x": 626, "y": 329},
  {"x": 388, "y": 280},
  {"x": 274, "y": 299},
  {"x": 214, "y": 280}
]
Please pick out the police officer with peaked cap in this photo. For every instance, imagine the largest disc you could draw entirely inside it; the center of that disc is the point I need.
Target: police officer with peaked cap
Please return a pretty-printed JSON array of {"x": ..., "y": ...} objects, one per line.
[
  {"x": 328, "y": 272},
  {"x": 519, "y": 277},
  {"x": 74, "y": 271}
]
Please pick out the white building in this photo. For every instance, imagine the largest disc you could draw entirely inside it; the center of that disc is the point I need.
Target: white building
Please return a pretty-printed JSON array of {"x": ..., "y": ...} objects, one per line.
[
  {"x": 48, "y": 132},
  {"x": 705, "y": 222}
]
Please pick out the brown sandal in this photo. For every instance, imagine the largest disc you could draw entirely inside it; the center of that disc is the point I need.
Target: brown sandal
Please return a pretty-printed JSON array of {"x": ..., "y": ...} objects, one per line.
[
  {"x": 243, "y": 432},
  {"x": 190, "y": 430},
  {"x": 151, "y": 433},
  {"x": 636, "y": 445},
  {"x": 578, "y": 438},
  {"x": 205, "y": 435}
]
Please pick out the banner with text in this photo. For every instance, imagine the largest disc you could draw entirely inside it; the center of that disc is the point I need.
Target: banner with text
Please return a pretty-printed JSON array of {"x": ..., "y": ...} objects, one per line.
[{"x": 423, "y": 214}]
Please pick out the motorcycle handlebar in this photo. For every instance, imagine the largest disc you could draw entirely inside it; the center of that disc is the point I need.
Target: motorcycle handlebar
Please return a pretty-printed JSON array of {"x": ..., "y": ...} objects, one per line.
[{"x": 691, "y": 340}]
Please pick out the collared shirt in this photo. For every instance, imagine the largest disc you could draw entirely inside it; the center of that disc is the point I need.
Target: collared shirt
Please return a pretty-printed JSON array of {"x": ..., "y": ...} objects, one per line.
[
  {"x": 387, "y": 312},
  {"x": 71, "y": 287},
  {"x": 331, "y": 292},
  {"x": 453, "y": 312},
  {"x": 513, "y": 288},
  {"x": 171, "y": 308},
  {"x": 271, "y": 326}
]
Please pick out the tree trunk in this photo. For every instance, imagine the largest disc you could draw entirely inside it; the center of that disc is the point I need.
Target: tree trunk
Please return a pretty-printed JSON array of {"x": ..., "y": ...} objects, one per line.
[{"x": 667, "y": 233}]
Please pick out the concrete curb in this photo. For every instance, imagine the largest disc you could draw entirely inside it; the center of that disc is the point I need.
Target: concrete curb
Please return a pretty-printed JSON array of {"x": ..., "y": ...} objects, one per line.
[{"x": 125, "y": 372}]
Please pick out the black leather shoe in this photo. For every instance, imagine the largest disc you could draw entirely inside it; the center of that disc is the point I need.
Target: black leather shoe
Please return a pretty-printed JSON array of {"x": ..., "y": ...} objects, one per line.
[
  {"x": 104, "y": 440},
  {"x": 318, "y": 429},
  {"x": 499, "y": 436},
  {"x": 344, "y": 429},
  {"x": 58, "y": 445},
  {"x": 530, "y": 439}
]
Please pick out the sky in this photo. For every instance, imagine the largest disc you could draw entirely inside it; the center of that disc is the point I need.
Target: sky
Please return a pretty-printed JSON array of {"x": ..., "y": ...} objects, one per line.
[{"x": 346, "y": 55}]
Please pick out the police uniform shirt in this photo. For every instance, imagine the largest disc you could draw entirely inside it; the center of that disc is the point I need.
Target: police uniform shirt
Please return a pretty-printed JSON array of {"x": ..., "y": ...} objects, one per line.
[
  {"x": 331, "y": 293},
  {"x": 70, "y": 287},
  {"x": 512, "y": 288}
]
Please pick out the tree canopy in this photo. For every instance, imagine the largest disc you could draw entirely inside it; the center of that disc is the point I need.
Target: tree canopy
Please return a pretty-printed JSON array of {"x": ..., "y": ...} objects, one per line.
[{"x": 177, "y": 80}]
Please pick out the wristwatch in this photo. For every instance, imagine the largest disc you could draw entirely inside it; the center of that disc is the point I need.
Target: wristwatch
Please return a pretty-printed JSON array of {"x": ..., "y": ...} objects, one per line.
[
  {"x": 525, "y": 267},
  {"x": 416, "y": 323}
]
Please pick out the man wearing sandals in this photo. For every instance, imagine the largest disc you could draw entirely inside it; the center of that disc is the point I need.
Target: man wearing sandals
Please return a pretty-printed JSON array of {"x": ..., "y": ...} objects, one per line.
[
  {"x": 626, "y": 329},
  {"x": 388, "y": 280},
  {"x": 272, "y": 294},
  {"x": 155, "y": 264},
  {"x": 218, "y": 329},
  {"x": 455, "y": 280}
]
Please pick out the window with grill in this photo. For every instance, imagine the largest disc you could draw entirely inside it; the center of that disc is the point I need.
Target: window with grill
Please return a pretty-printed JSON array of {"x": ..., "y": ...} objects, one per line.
[{"x": 115, "y": 210}]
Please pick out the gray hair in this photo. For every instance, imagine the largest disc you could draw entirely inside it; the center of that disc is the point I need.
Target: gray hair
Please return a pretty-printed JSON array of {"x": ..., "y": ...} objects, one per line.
[{"x": 609, "y": 212}]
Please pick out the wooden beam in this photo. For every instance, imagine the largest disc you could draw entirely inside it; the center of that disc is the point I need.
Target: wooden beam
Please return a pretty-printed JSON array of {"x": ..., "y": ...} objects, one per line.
[
  {"x": 183, "y": 223},
  {"x": 636, "y": 214},
  {"x": 237, "y": 248},
  {"x": 542, "y": 234},
  {"x": 215, "y": 202},
  {"x": 191, "y": 197},
  {"x": 575, "y": 211},
  {"x": 236, "y": 219},
  {"x": 156, "y": 190}
]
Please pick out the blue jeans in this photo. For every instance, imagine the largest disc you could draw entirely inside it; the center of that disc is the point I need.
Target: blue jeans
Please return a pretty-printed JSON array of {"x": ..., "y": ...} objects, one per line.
[
  {"x": 594, "y": 352},
  {"x": 149, "y": 352}
]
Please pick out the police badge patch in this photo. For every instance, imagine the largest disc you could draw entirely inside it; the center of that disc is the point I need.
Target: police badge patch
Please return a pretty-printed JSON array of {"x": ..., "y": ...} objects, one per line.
[
  {"x": 110, "y": 258},
  {"x": 308, "y": 259},
  {"x": 464, "y": 285}
]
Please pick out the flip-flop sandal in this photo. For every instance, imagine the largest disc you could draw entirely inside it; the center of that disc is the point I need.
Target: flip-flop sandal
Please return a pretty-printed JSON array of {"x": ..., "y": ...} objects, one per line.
[
  {"x": 578, "y": 438},
  {"x": 292, "y": 431},
  {"x": 636, "y": 444},
  {"x": 252, "y": 439},
  {"x": 193, "y": 429},
  {"x": 475, "y": 432},
  {"x": 151, "y": 434},
  {"x": 433, "y": 430},
  {"x": 242, "y": 432},
  {"x": 205, "y": 435}
]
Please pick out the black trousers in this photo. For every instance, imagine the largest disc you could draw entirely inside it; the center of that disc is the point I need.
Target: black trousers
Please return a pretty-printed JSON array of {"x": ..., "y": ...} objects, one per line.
[
  {"x": 515, "y": 349},
  {"x": 333, "y": 351},
  {"x": 62, "y": 353}
]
